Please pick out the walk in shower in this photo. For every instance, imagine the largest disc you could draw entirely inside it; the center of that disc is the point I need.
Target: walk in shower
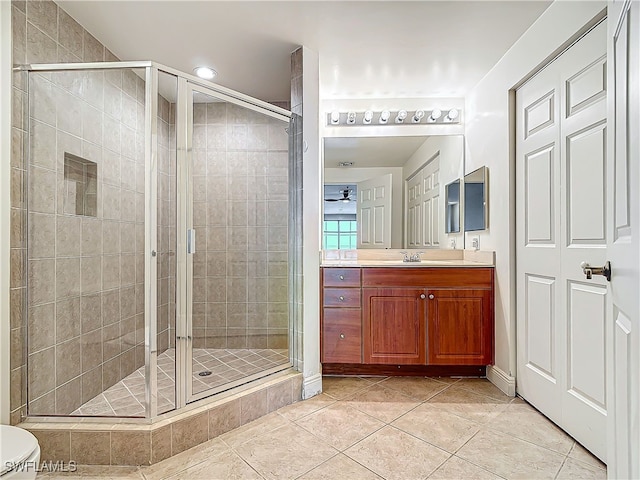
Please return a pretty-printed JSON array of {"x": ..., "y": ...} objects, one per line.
[{"x": 158, "y": 241}]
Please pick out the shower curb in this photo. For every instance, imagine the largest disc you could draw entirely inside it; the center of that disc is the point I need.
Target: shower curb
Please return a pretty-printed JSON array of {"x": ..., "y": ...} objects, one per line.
[{"x": 87, "y": 442}]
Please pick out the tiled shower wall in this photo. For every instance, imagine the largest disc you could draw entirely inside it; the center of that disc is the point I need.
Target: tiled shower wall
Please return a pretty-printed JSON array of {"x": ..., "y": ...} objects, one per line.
[
  {"x": 240, "y": 188},
  {"x": 41, "y": 33},
  {"x": 85, "y": 271}
]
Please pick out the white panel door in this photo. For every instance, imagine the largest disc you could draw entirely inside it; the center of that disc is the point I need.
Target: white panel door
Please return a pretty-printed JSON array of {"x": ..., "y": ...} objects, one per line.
[
  {"x": 374, "y": 212},
  {"x": 561, "y": 153},
  {"x": 414, "y": 211},
  {"x": 430, "y": 203},
  {"x": 623, "y": 248}
]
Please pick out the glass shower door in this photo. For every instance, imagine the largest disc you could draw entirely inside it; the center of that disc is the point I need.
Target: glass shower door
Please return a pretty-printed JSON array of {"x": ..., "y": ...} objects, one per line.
[{"x": 234, "y": 215}]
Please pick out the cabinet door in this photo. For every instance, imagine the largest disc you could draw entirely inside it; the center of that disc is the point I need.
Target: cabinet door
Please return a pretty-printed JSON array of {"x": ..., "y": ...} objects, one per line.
[
  {"x": 341, "y": 335},
  {"x": 394, "y": 326},
  {"x": 460, "y": 327}
]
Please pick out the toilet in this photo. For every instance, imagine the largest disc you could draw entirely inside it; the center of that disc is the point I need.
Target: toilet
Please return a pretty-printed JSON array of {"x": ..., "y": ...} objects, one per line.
[{"x": 19, "y": 453}]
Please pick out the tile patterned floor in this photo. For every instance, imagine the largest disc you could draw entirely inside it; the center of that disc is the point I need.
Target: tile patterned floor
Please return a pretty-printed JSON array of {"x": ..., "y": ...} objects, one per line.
[
  {"x": 126, "y": 398},
  {"x": 384, "y": 428}
]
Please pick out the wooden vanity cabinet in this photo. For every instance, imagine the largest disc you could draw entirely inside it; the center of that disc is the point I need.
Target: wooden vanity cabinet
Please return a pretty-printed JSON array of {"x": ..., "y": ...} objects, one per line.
[{"x": 408, "y": 316}]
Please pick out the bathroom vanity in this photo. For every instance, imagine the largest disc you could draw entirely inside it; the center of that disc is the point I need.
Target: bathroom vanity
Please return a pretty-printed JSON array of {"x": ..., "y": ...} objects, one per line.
[{"x": 385, "y": 316}]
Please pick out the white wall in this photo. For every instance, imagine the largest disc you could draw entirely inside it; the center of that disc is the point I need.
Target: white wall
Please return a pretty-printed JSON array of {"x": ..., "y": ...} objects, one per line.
[
  {"x": 5, "y": 202},
  {"x": 355, "y": 175},
  {"x": 451, "y": 149},
  {"x": 489, "y": 123},
  {"x": 311, "y": 201}
]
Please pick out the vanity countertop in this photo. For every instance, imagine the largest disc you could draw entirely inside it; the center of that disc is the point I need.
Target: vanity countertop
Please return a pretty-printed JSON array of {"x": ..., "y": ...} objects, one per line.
[{"x": 393, "y": 258}]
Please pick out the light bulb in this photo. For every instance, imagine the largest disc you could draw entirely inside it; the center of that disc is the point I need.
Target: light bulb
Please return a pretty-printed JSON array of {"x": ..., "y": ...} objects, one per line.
[
  {"x": 368, "y": 116},
  {"x": 384, "y": 116},
  {"x": 351, "y": 118},
  {"x": 417, "y": 116},
  {"x": 402, "y": 114},
  {"x": 452, "y": 115},
  {"x": 335, "y": 117},
  {"x": 435, "y": 114}
]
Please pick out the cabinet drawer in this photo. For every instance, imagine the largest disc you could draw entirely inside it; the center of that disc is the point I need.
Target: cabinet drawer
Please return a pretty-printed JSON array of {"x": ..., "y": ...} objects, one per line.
[
  {"x": 341, "y": 297},
  {"x": 341, "y": 277},
  {"x": 341, "y": 336}
]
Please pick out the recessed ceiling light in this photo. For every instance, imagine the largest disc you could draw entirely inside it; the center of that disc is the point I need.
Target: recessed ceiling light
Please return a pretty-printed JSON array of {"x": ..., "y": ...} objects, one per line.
[{"x": 205, "y": 72}]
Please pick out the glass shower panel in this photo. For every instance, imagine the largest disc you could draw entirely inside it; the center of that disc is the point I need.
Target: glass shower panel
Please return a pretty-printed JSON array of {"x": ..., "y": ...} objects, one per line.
[
  {"x": 85, "y": 235},
  {"x": 240, "y": 187},
  {"x": 167, "y": 242}
]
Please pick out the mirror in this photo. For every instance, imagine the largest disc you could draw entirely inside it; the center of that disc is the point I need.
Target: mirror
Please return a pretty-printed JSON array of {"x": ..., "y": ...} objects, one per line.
[
  {"x": 452, "y": 202},
  {"x": 476, "y": 212},
  {"x": 392, "y": 193}
]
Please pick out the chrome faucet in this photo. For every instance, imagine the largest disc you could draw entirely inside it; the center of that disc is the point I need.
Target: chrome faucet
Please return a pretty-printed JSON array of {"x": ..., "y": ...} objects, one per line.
[{"x": 411, "y": 258}]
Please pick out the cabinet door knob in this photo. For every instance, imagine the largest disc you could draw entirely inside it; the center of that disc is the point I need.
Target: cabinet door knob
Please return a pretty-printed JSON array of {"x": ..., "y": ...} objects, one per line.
[
  {"x": 422, "y": 295},
  {"x": 431, "y": 297},
  {"x": 341, "y": 298},
  {"x": 341, "y": 277},
  {"x": 342, "y": 335}
]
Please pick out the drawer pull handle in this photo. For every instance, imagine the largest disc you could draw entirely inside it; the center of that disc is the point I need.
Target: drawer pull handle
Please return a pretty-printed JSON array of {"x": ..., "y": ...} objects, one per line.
[
  {"x": 342, "y": 335},
  {"x": 341, "y": 277},
  {"x": 431, "y": 297},
  {"x": 422, "y": 295},
  {"x": 341, "y": 298}
]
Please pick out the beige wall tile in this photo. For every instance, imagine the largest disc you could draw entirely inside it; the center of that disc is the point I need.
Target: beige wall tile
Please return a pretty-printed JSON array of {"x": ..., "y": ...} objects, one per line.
[
  {"x": 130, "y": 448},
  {"x": 40, "y": 47},
  {"x": 41, "y": 281},
  {"x": 160, "y": 444},
  {"x": 42, "y": 190},
  {"x": 67, "y": 364},
  {"x": 68, "y": 397},
  {"x": 70, "y": 33},
  {"x": 42, "y": 325},
  {"x": 42, "y": 235},
  {"x": 91, "y": 350},
  {"x": 224, "y": 418},
  {"x": 189, "y": 433},
  {"x": 67, "y": 236},
  {"x": 54, "y": 445},
  {"x": 67, "y": 277},
  {"x": 67, "y": 319},
  {"x": 91, "y": 448},
  {"x": 41, "y": 374},
  {"x": 253, "y": 406}
]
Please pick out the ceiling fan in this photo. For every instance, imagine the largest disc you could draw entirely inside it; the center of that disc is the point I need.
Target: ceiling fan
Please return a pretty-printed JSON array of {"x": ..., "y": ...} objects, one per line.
[{"x": 345, "y": 197}]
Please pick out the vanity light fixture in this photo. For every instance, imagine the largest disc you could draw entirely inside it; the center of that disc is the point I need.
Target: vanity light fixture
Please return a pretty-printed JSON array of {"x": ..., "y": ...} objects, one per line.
[
  {"x": 335, "y": 117},
  {"x": 384, "y": 116},
  {"x": 417, "y": 116},
  {"x": 206, "y": 73},
  {"x": 402, "y": 114},
  {"x": 368, "y": 116},
  {"x": 452, "y": 115},
  {"x": 435, "y": 115},
  {"x": 351, "y": 118}
]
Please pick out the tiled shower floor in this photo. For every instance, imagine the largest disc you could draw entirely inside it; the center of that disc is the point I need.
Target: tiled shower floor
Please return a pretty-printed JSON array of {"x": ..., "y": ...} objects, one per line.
[{"x": 126, "y": 398}]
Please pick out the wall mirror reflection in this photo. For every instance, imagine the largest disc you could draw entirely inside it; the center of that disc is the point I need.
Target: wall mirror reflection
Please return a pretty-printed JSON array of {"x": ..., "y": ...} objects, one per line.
[
  {"x": 389, "y": 191},
  {"x": 476, "y": 211}
]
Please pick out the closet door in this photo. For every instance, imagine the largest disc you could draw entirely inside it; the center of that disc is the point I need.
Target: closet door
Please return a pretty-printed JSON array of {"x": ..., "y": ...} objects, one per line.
[{"x": 561, "y": 222}]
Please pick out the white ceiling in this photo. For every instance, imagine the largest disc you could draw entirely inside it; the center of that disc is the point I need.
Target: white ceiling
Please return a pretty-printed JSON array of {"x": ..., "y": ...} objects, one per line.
[
  {"x": 366, "y": 49},
  {"x": 369, "y": 152}
]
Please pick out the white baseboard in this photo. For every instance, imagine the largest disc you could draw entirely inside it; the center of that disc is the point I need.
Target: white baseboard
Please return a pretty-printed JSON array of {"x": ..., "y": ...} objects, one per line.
[
  {"x": 500, "y": 379},
  {"x": 312, "y": 386}
]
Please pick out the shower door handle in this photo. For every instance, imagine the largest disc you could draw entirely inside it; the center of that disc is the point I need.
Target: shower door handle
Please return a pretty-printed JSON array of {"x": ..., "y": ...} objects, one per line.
[{"x": 191, "y": 241}]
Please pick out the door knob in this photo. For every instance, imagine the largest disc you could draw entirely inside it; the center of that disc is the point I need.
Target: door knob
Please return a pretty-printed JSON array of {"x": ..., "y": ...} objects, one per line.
[
  {"x": 342, "y": 335},
  {"x": 589, "y": 271},
  {"x": 341, "y": 298},
  {"x": 341, "y": 277}
]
